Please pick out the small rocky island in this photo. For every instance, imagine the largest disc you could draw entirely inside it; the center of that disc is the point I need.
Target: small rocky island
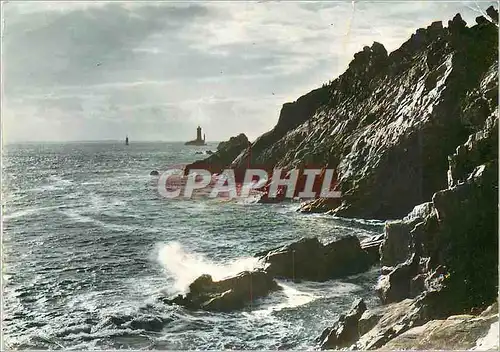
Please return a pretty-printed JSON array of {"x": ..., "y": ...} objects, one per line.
[{"x": 198, "y": 140}]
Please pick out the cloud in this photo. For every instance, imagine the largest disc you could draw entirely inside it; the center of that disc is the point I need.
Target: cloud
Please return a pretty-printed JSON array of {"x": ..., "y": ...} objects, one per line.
[{"x": 97, "y": 70}]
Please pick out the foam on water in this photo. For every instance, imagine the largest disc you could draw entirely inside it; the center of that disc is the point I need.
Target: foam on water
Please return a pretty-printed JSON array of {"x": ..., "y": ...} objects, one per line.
[
  {"x": 185, "y": 266},
  {"x": 294, "y": 298},
  {"x": 29, "y": 211}
]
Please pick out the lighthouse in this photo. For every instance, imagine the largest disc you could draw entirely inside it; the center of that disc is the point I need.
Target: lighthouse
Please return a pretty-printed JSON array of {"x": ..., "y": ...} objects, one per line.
[
  {"x": 198, "y": 134},
  {"x": 198, "y": 140}
]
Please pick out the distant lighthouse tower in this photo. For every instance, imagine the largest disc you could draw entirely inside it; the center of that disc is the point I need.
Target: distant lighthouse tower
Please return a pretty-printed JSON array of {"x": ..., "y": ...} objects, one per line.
[
  {"x": 198, "y": 140},
  {"x": 198, "y": 134}
]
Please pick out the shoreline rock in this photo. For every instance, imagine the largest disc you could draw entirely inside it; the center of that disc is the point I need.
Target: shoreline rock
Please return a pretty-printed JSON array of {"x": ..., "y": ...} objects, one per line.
[
  {"x": 226, "y": 295},
  {"x": 309, "y": 259}
]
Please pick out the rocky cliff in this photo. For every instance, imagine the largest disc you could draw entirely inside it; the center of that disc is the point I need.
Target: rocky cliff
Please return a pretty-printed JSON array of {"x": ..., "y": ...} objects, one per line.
[
  {"x": 412, "y": 135},
  {"x": 389, "y": 123}
]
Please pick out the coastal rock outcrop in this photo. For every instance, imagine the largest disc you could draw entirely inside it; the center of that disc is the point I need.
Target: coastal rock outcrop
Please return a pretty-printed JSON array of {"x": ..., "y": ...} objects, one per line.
[
  {"x": 395, "y": 247},
  {"x": 309, "y": 259},
  {"x": 420, "y": 323},
  {"x": 460, "y": 332},
  {"x": 388, "y": 124},
  {"x": 345, "y": 331},
  {"x": 441, "y": 260},
  {"x": 226, "y": 295}
]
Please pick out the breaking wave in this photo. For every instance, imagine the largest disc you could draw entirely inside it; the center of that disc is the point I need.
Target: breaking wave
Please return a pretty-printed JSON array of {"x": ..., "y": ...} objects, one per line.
[{"x": 185, "y": 266}]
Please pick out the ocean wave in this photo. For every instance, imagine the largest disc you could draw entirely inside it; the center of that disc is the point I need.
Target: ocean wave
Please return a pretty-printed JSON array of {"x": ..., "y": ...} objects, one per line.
[
  {"x": 81, "y": 218},
  {"x": 293, "y": 297},
  {"x": 185, "y": 266},
  {"x": 29, "y": 212}
]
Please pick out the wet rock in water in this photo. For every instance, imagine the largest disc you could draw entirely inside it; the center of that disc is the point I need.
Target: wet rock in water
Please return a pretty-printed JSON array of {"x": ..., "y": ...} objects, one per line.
[
  {"x": 309, "y": 259},
  {"x": 154, "y": 173},
  {"x": 320, "y": 205},
  {"x": 148, "y": 323},
  {"x": 345, "y": 330},
  {"x": 226, "y": 295}
]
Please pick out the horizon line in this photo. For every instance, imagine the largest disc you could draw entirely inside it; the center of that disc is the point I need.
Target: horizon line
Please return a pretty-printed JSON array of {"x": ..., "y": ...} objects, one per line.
[{"x": 98, "y": 140}]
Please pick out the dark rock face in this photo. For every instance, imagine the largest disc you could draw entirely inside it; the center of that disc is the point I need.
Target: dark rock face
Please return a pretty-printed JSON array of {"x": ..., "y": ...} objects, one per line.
[
  {"x": 226, "y": 295},
  {"x": 365, "y": 329},
  {"x": 395, "y": 248},
  {"x": 388, "y": 124},
  {"x": 154, "y": 173},
  {"x": 442, "y": 257},
  {"x": 345, "y": 331},
  {"x": 468, "y": 218},
  {"x": 456, "y": 239},
  {"x": 372, "y": 246},
  {"x": 396, "y": 245},
  {"x": 222, "y": 158},
  {"x": 397, "y": 284},
  {"x": 309, "y": 259}
]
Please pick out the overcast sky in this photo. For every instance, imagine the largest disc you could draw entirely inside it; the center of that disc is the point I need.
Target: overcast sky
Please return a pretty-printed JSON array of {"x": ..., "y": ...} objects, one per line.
[{"x": 155, "y": 70}]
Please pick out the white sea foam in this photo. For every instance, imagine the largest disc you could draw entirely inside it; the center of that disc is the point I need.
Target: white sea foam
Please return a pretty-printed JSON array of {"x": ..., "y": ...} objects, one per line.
[
  {"x": 294, "y": 298},
  {"x": 28, "y": 212},
  {"x": 78, "y": 217},
  {"x": 185, "y": 266}
]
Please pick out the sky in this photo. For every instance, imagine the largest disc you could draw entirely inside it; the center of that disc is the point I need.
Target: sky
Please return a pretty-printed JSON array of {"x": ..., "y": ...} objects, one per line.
[{"x": 156, "y": 70}]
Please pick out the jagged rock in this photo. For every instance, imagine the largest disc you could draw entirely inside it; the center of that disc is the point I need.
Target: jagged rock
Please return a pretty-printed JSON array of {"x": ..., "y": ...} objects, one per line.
[
  {"x": 392, "y": 320},
  {"x": 457, "y": 24},
  {"x": 319, "y": 205},
  {"x": 454, "y": 333},
  {"x": 388, "y": 124},
  {"x": 369, "y": 319},
  {"x": 372, "y": 246},
  {"x": 480, "y": 147},
  {"x": 397, "y": 235},
  {"x": 396, "y": 285},
  {"x": 395, "y": 247},
  {"x": 396, "y": 318},
  {"x": 154, "y": 173},
  {"x": 345, "y": 330},
  {"x": 420, "y": 212},
  {"x": 309, "y": 259},
  {"x": 493, "y": 13},
  {"x": 226, "y": 295},
  {"x": 482, "y": 20}
]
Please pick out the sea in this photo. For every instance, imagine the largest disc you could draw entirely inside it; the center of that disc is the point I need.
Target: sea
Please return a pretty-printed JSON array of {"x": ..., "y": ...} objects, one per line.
[{"x": 90, "y": 246}]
